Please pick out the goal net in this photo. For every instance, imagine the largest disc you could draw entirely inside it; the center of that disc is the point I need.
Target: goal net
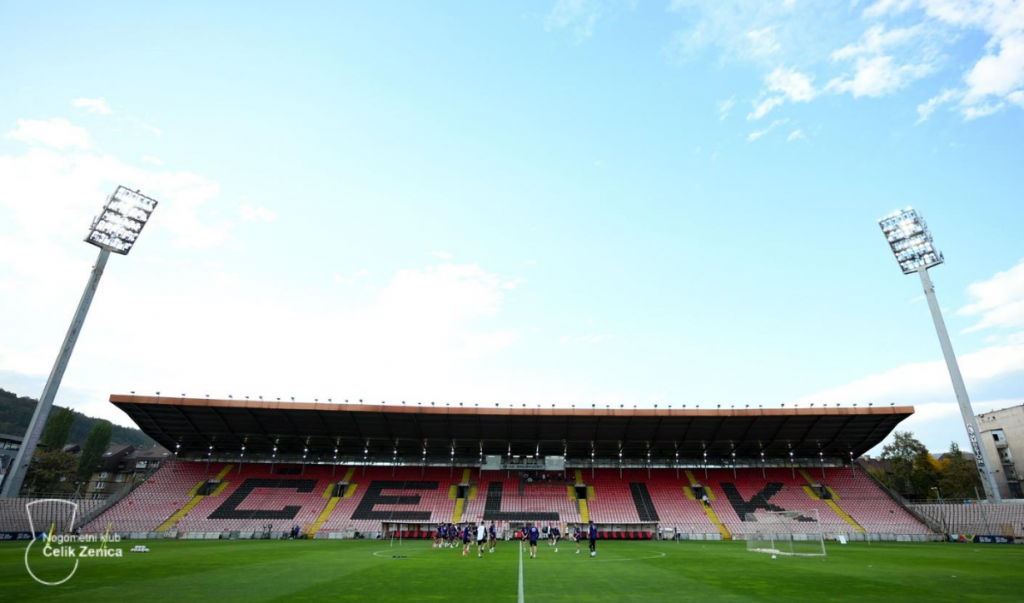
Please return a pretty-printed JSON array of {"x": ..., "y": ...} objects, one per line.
[{"x": 796, "y": 533}]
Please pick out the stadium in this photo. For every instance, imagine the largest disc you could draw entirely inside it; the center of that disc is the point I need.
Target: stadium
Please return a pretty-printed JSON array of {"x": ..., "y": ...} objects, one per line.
[
  {"x": 605, "y": 294},
  {"x": 292, "y": 500}
]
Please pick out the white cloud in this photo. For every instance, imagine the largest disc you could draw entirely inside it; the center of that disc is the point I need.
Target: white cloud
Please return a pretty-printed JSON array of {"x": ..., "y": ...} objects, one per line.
[
  {"x": 762, "y": 42},
  {"x": 757, "y": 134},
  {"x": 925, "y": 110},
  {"x": 898, "y": 43},
  {"x": 797, "y": 134},
  {"x": 878, "y": 76},
  {"x": 976, "y": 111},
  {"x": 998, "y": 301},
  {"x": 57, "y": 132},
  {"x": 155, "y": 131},
  {"x": 970, "y": 13},
  {"x": 795, "y": 86},
  {"x": 783, "y": 84},
  {"x": 765, "y": 106},
  {"x": 685, "y": 45},
  {"x": 877, "y": 40},
  {"x": 444, "y": 255},
  {"x": 152, "y": 160},
  {"x": 765, "y": 33},
  {"x": 754, "y": 136},
  {"x": 876, "y": 71},
  {"x": 93, "y": 105},
  {"x": 925, "y": 381},
  {"x": 997, "y": 74},
  {"x": 725, "y": 107},
  {"x": 581, "y": 16},
  {"x": 252, "y": 213},
  {"x": 419, "y": 337},
  {"x": 886, "y": 7},
  {"x": 77, "y": 182}
]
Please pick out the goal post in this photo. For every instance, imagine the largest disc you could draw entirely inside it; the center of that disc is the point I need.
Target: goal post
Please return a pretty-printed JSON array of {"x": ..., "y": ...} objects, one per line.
[{"x": 792, "y": 533}]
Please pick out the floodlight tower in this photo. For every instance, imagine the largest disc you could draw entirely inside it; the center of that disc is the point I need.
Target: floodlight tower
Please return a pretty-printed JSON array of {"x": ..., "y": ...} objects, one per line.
[
  {"x": 116, "y": 229},
  {"x": 911, "y": 243}
]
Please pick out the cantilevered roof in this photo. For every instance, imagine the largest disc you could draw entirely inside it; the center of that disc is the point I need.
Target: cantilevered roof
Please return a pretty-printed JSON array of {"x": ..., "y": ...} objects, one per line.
[{"x": 380, "y": 430}]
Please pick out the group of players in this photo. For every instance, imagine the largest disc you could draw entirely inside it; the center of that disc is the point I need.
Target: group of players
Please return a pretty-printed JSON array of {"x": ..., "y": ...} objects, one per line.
[{"x": 449, "y": 535}]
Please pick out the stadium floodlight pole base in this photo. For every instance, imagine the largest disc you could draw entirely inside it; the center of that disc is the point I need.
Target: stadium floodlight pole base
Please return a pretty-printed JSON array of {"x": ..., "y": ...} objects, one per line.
[
  {"x": 15, "y": 479},
  {"x": 970, "y": 421}
]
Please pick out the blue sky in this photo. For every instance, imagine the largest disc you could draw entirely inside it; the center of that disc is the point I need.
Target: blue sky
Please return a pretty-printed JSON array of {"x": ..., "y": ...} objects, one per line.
[{"x": 570, "y": 203}]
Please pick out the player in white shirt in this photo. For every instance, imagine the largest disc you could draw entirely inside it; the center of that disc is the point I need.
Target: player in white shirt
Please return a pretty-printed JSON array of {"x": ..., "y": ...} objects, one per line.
[{"x": 481, "y": 539}]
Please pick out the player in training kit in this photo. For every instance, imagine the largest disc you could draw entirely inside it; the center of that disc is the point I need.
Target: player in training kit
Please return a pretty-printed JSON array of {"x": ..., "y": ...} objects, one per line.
[
  {"x": 493, "y": 532},
  {"x": 593, "y": 539},
  {"x": 439, "y": 536},
  {"x": 577, "y": 534},
  {"x": 466, "y": 536},
  {"x": 534, "y": 535},
  {"x": 481, "y": 540},
  {"x": 453, "y": 534},
  {"x": 556, "y": 535}
]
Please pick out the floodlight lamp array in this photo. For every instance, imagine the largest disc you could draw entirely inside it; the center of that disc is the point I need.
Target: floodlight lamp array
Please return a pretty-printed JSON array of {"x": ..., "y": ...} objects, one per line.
[
  {"x": 910, "y": 240},
  {"x": 119, "y": 225}
]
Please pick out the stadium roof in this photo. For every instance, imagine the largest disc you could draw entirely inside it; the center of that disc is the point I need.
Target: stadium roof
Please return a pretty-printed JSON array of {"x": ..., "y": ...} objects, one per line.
[{"x": 380, "y": 430}]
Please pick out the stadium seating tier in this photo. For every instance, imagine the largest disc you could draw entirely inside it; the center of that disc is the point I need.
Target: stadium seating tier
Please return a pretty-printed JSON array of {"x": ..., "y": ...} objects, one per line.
[{"x": 219, "y": 497}]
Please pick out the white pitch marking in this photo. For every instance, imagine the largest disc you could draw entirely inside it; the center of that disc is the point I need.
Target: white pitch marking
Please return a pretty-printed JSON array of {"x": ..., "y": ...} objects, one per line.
[{"x": 521, "y": 574}]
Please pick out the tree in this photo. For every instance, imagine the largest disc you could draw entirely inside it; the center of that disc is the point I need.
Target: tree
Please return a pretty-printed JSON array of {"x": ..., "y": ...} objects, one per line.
[
  {"x": 960, "y": 478},
  {"x": 57, "y": 429},
  {"x": 912, "y": 471},
  {"x": 52, "y": 472},
  {"x": 95, "y": 445}
]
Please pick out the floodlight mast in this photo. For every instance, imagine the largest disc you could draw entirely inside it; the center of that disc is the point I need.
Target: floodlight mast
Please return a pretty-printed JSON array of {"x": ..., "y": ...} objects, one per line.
[
  {"x": 911, "y": 243},
  {"x": 116, "y": 229}
]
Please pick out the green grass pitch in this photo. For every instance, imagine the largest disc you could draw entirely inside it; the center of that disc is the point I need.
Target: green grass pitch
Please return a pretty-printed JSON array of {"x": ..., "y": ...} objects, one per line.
[{"x": 374, "y": 572}]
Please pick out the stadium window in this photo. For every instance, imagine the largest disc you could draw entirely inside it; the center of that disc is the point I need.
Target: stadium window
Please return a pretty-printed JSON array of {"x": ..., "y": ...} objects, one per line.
[
  {"x": 101, "y": 485},
  {"x": 103, "y": 475}
]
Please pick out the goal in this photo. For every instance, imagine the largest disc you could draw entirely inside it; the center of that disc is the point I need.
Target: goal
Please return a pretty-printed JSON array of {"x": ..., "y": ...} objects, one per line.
[{"x": 795, "y": 533}]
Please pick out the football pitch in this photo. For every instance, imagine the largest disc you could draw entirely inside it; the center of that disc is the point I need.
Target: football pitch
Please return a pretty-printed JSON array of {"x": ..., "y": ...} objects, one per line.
[{"x": 374, "y": 571}]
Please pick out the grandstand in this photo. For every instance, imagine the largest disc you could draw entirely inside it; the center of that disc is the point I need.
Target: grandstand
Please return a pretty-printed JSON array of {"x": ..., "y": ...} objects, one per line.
[
  {"x": 970, "y": 517},
  {"x": 247, "y": 469},
  {"x": 243, "y": 499},
  {"x": 344, "y": 471}
]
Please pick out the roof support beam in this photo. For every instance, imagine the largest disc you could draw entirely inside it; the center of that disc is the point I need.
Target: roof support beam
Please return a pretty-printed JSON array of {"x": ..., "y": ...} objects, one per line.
[
  {"x": 195, "y": 429},
  {"x": 156, "y": 426}
]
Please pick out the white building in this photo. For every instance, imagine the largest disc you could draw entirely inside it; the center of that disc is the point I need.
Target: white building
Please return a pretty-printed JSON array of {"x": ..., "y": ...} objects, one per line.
[{"x": 1003, "y": 437}]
